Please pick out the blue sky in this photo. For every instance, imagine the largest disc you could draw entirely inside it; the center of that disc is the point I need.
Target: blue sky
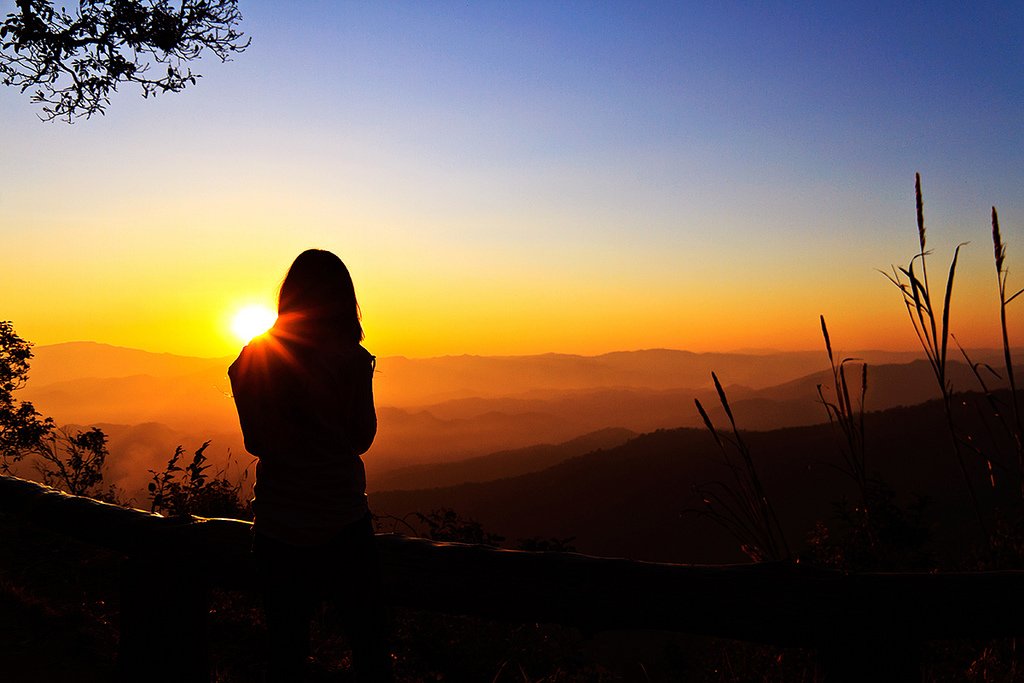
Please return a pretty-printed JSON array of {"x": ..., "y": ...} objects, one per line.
[{"x": 716, "y": 174}]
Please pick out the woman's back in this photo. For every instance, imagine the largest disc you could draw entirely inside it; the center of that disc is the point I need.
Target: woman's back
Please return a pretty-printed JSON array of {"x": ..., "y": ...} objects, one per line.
[{"x": 306, "y": 411}]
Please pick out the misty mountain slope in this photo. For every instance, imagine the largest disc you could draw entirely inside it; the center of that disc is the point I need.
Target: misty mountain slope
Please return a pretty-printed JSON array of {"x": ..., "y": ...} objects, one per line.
[
  {"x": 630, "y": 500},
  {"x": 889, "y": 385},
  {"x": 403, "y": 381},
  {"x": 627, "y": 501},
  {"x": 136, "y": 449},
  {"x": 193, "y": 401},
  {"x": 585, "y": 410},
  {"x": 797, "y": 403},
  {"x": 407, "y": 438},
  {"x": 507, "y": 463},
  {"x": 81, "y": 360},
  {"x": 642, "y": 409}
]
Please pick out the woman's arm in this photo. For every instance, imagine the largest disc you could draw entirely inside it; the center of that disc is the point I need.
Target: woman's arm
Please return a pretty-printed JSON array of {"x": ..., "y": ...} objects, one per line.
[{"x": 363, "y": 425}]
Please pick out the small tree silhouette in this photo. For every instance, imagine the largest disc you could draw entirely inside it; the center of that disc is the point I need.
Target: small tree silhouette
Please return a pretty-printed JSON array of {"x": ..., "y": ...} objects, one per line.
[
  {"x": 22, "y": 428},
  {"x": 73, "y": 462},
  {"x": 69, "y": 460}
]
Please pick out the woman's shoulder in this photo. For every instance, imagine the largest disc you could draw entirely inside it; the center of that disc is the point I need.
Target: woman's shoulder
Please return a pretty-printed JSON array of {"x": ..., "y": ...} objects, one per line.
[
  {"x": 263, "y": 358},
  {"x": 263, "y": 346},
  {"x": 351, "y": 356},
  {"x": 245, "y": 358}
]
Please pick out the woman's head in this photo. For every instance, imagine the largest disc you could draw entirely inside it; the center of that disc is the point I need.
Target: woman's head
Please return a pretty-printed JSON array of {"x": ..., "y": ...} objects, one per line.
[{"x": 318, "y": 293}]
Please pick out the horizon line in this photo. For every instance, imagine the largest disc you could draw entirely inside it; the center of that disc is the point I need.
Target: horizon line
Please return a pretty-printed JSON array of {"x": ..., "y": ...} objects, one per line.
[{"x": 738, "y": 352}]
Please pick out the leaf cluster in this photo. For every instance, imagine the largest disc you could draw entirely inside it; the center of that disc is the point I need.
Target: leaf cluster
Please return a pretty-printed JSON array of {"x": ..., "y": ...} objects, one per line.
[{"x": 73, "y": 61}]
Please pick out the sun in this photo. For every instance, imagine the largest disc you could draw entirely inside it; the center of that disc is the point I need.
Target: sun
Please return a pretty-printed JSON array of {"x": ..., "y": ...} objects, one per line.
[{"x": 252, "y": 321}]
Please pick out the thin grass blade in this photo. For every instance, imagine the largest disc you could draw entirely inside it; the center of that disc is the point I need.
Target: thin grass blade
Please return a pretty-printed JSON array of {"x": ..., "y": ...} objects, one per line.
[
  {"x": 920, "y": 210},
  {"x": 945, "y": 305},
  {"x": 1019, "y": 292},
  {"x": 997, "y": 242},
  {"x": 828, "y": 342},
  {"x": 707, "y": 422},
  {"x": 723, "y": 399}
]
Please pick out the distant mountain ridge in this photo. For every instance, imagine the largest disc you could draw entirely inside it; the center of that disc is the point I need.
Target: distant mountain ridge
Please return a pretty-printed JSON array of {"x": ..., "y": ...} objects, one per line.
[
  {"x": 403, "y": 381},
  {"x": 86, "y": 359}
]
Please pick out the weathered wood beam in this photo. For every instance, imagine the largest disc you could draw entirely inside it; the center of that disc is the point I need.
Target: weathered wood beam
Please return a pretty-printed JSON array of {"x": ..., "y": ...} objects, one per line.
[{"x": 783, "y": 604}]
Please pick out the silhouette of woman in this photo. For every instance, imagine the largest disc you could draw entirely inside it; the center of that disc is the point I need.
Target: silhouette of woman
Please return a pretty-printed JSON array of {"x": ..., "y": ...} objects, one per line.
[{"x": 304, "y": 395}]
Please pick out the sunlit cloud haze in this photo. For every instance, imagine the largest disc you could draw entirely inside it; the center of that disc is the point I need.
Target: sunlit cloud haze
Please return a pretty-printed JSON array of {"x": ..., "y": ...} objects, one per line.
[{"x": 506, "y": 178}]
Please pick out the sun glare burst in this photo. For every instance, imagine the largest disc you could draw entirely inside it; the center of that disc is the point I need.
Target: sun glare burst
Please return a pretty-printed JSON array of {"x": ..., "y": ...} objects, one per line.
[{"x": 252, "y": 321}]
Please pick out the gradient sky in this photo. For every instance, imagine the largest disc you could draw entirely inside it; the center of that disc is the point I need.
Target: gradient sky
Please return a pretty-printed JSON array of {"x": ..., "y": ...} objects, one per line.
[{"x": 507, "y": 178}]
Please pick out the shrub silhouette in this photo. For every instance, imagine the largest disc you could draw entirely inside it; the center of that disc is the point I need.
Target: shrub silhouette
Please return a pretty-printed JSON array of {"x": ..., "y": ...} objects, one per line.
[{"x": 183, "y": 491}]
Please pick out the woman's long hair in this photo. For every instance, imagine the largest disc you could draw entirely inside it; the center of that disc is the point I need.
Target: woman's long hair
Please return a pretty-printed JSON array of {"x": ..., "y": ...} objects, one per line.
[{"x": 317, "y": 299}]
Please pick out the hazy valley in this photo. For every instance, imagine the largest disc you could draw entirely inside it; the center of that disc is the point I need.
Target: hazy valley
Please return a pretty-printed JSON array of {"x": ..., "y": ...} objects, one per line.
[{"x": 552, "y": 445}]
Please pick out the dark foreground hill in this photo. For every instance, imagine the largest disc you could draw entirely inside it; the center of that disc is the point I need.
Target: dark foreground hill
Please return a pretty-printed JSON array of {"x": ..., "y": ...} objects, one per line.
[
  {"x": 632, "y": 500},
  {"x": 499, "y": 465}
]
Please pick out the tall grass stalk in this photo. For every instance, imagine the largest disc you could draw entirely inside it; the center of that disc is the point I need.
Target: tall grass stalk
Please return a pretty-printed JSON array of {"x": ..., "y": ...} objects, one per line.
[
  {"x": 850, "y": 421},
  {"x": 994, "y": 405},
  {"x": 932, "y": 328},
  {"x": 999, "y": 249},
  {"x": 742, "y": 508}
]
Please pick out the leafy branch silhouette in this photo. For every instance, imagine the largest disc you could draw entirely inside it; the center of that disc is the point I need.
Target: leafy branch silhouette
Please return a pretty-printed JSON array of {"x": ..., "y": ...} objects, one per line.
[{"x": 74, "y": 61}]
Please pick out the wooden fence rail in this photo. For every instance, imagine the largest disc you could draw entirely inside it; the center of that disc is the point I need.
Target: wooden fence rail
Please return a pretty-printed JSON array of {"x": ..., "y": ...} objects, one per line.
[{"x": 866, "y": 626}]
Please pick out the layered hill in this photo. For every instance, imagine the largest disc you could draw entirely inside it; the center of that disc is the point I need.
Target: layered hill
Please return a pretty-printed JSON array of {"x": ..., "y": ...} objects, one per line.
[
  {"x": 638, "y": 500},
  {"x": 500, "y": 465}
]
